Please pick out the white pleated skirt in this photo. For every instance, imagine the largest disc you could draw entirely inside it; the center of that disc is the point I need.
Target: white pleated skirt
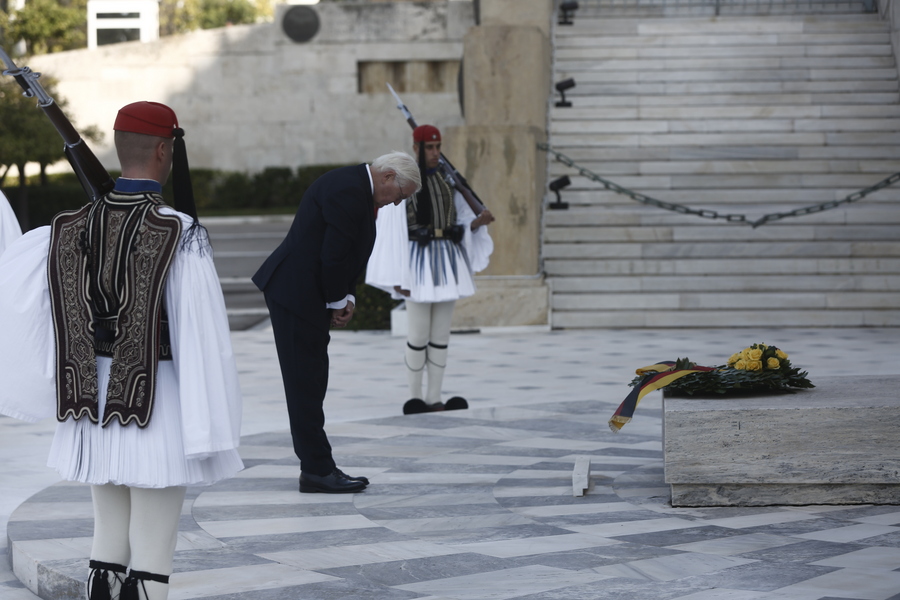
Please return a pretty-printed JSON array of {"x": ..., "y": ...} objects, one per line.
[
  {"x": 440, "y": 272},
  {"x": 152, "y": 457}
]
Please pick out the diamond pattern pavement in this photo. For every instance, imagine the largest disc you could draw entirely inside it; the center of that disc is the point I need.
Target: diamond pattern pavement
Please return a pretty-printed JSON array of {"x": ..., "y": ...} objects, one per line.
[{"x": 478, "y": 504}]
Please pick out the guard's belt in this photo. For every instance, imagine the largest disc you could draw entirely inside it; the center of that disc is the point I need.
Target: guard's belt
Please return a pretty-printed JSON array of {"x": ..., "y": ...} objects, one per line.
[{"x": 423, "y": 235}]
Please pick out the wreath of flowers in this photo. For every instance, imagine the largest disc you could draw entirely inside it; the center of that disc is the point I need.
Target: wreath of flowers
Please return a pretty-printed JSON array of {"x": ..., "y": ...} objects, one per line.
[{"x": 757, "y": 367}]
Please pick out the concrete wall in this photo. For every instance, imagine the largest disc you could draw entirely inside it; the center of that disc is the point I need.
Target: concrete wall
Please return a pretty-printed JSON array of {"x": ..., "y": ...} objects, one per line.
[{"x": 249, "y": 97}]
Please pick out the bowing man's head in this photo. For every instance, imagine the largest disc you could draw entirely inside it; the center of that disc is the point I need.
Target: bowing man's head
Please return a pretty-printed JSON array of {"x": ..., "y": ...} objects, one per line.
[{"x": 395, "y": 176}]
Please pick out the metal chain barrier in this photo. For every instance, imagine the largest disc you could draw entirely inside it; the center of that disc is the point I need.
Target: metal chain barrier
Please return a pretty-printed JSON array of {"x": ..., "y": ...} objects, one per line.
[{"x": 712, "y": 214}]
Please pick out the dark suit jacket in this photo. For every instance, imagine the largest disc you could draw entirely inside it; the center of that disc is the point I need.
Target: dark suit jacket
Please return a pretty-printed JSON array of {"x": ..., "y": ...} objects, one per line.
[{"x": 327, "y": 247}]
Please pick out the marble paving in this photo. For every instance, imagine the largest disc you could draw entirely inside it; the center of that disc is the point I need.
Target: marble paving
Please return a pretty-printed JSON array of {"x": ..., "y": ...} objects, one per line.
[{"x": 478, "y": 504}]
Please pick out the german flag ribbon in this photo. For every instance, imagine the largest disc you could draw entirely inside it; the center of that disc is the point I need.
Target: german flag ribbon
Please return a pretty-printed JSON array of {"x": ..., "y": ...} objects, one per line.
[{"x": 656, "y": 377}]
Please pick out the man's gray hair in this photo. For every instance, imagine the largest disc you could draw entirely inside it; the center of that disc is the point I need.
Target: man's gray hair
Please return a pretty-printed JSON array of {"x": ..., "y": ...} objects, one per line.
[{"x": 402, "y": 165}]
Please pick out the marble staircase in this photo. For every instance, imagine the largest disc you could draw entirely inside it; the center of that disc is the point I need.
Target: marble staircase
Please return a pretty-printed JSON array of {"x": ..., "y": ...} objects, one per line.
[{"x": 744, "y": 115}]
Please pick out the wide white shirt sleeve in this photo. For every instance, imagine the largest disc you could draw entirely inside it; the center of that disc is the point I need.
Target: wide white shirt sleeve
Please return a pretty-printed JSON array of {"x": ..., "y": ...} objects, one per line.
[
  {"x": 478, "y": 244},
  {"x": 201, "y": 350},
  {"x": 27, "y": 346},
  {"x": 342, "y": 302},
  {"x": 389, "y": 262},
  {"x": 9, "y": 224}
]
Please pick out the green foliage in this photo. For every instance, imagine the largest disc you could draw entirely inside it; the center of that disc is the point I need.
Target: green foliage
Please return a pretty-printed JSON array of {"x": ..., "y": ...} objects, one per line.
[
  {"x": 181, "y": 16},
  {"x": 56, "y": 25},
  {"x": 219, "y": 13},
  {"x": 272, "y": 190},
  {"x": 26, "y": 134},
  {"x": 47, "y": 25},
  {"x": 373, "y": 307},
  {"x": 47, "y": 200}
]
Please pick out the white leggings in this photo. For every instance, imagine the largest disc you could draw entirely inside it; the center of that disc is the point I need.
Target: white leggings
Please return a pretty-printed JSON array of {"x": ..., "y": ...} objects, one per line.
[
  {"x": 137, "y": 527},
  {"x": 426, "y": 344}
]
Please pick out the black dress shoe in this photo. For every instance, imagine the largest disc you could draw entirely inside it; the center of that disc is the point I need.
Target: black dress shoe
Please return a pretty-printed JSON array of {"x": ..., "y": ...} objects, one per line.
[
  {"x": 335, "y": 483},
  {"x": 365, "y": 480}
]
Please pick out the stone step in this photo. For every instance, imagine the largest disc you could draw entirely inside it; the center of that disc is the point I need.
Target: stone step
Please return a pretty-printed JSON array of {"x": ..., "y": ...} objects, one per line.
[
  {"x": 778, "y": 111},
  {"x": 713, "y": 125},
  {"x": 723, "y": 39},
  {"x": 785, "y": 181},
  {"x": 593, "y": 155},
  {"x": 733, "y": 167},
  {"x": 717, "y": 266},
  {"x": 717, "y": 11},
  {"x": 760, "y": 26},
  {"x": 741, "y": 301},
  {"x": 565, "y": 237},
  {"x": 682, "y": 99},
  {"x": 742, "y": 116},
  {"x": 752, "y": 202},
  {"x": 722, "y": 249},
  {"x": 728, "y": 283},
  {"x": 562, "y": 141},
  {"x": 699, "y": 89},
  {"x": 635, "y": 214},
  {"x": 863, "y": 79},
  {"x": 737, "y": 64},
  {"x": 576, "y": 54},
  {"x": 660, "y": 319}
]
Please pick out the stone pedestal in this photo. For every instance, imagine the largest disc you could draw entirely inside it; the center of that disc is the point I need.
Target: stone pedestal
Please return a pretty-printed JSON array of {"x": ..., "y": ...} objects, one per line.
[
  {"x": 504, "y": 303},
  {"x": 834, "y": 444},
  {"x": 506, "y": 84}
]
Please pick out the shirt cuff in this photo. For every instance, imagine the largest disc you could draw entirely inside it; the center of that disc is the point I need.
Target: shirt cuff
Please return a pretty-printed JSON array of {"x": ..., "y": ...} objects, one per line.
[{"x": 342, "y": 303}]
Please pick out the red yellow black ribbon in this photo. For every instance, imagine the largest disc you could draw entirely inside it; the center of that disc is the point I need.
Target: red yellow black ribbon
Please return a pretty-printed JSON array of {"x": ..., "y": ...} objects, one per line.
[{"x": 656, "y": 377}]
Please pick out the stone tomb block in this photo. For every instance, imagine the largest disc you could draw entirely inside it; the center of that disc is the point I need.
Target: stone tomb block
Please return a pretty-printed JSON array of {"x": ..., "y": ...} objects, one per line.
[{"x": 838, "y": 443}]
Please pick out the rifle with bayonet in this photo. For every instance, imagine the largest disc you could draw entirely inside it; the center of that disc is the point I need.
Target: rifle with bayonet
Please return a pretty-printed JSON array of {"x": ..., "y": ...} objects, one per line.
[
  {"x": 453, "y": 177},
  {"x": 93, "y": 177}
]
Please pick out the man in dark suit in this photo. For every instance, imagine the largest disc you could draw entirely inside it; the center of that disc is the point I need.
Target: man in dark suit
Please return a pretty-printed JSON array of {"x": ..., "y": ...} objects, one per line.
[{"x": 309, "y": 282}]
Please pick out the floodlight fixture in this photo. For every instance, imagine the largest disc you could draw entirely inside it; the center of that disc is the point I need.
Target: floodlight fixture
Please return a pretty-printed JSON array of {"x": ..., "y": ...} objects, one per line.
[
  {"x": 555, "y": 186},
  {"x": 561, "y": 87},
  {"x": 566, "y": 9}
]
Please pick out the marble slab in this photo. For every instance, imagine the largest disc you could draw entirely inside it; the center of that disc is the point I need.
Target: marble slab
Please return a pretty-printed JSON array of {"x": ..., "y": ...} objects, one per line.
[{"x": 834, "y": 444}]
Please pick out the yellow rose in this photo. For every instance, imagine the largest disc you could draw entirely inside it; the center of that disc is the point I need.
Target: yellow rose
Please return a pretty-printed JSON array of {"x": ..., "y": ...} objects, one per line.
[
  {"x": 740, "y": 364},
  {"x": 754, "y": 365},
  {"x": 745, "y": 353},
  {"x": 734, "y": 358},
  {"x": 755, "y": 354},
  {"x": 773, "y": 363},
  {"x": 780, "y": 354}
]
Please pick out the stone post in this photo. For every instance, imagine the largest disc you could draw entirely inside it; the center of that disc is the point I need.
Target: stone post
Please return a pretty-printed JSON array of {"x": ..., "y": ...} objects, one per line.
[{"x": 506, "y": 82}]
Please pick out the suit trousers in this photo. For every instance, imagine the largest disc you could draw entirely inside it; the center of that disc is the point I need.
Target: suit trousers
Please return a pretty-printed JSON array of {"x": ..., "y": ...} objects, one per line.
[{"x": 302, "y": 348}]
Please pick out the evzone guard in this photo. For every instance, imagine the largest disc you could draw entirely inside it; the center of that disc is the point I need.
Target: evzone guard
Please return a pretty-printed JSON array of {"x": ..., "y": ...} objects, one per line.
[
  {"x": 113, "y": 321},
  {"x": 426, "y": 252}
]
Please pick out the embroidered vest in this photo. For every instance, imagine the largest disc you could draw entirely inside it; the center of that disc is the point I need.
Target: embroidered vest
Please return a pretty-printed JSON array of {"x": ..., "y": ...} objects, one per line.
[
  {"x": 443, "y": 211},
  {"x": 107, "y": 271}
]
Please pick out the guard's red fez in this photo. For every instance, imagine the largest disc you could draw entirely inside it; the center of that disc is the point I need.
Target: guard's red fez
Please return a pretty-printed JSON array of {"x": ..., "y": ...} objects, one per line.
[
  {"x": 149, "y": 118},
  {"x": 426, "y": 133}
]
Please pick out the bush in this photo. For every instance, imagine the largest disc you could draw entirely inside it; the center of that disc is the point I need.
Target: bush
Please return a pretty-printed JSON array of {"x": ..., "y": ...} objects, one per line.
[
  {"x": 216, "y": 193},
  {"x": 373, "y": 308},
  {"x": 273, "y": 190},
  {"x": 43, "y": 202}
]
